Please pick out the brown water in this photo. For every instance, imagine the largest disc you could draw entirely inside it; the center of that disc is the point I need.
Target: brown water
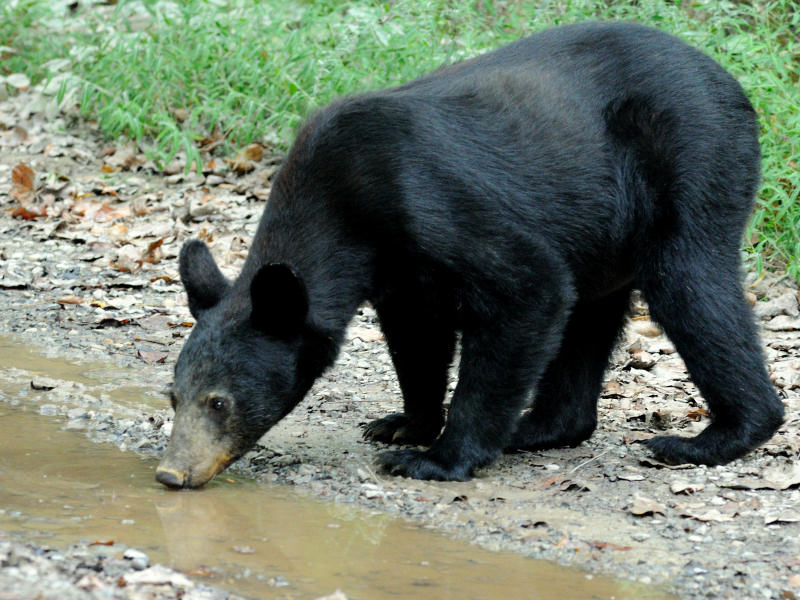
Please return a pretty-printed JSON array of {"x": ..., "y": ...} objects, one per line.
[
  {"x": 122, "y": 386},
  {"x": 58, "y": 488}
]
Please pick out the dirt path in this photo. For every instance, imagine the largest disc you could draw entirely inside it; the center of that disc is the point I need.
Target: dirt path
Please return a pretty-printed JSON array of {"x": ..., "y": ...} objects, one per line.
[{"x": 96, "y": 279}]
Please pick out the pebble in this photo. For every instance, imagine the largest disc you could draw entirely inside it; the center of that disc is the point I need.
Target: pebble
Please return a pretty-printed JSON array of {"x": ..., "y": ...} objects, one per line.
[{"x": 139, "y": 560}]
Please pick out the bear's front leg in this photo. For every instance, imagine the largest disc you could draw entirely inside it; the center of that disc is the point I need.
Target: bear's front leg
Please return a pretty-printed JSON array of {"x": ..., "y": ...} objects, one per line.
[
  {"x": 503, "y": 358},
  {"x": 419, "y": 330}
]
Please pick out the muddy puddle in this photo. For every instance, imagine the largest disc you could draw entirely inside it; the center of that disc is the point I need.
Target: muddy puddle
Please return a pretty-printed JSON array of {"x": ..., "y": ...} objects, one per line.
[
  {"x": 98, "y": 378},
  {"x": 262, "y": 541}
]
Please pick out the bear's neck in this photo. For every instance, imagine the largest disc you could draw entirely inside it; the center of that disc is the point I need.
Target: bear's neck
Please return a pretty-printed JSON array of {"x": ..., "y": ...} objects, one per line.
[{"x": 335, "y": 268}]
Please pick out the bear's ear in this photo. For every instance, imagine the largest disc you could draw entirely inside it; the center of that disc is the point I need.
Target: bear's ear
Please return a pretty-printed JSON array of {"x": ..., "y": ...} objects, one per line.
[
  {"x": 280, "y": 301},
  {"x": 204, "y": 283}
]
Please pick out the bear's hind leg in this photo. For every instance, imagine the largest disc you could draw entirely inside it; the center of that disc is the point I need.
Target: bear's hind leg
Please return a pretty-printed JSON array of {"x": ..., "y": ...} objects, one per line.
[
  {"x": 421, "y": 340},
  {"x": 698, "y": 300},
  {"x": 564, "y": 412}
]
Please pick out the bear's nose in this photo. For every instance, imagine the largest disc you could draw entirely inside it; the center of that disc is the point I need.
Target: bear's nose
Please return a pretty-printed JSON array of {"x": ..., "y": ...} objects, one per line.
[{"x": 170, "y": 478}]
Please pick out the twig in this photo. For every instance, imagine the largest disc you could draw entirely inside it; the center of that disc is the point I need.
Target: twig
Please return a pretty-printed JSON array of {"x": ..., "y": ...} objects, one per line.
[{"x": 586, "y": 462}]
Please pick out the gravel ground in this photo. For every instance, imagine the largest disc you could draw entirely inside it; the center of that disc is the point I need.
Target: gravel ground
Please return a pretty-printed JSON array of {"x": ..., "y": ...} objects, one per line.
[{"x": 89, "y": 235}]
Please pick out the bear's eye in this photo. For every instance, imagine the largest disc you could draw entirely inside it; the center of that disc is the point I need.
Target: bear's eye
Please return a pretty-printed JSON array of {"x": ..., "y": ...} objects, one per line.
[{"x": 216, "y": 403}]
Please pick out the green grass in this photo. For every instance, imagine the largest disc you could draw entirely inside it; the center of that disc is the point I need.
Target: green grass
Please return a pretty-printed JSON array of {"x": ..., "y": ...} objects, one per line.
[{"x": 252, "y": 69}]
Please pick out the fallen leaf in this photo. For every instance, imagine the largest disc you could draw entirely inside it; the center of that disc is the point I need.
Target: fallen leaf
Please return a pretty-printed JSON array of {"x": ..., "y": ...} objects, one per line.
[
  {"x": 70, "y": 300},
  {"x": 27, "y": 214},
  {"x": 604, "y": 545},
  {"x": 19, "y": 81},
  {"x": 364, "y": 334},
  {"x": 641, "y": 360},
  {"x": 118, "y": 231},
  {"x": 41, "y": 387},
  {"x": 108, "y": 543},
  {"x": 547, "y": 482},
  {"x": 679, "y": 486},
  {"x": 153, "y": 253},
  {"x": 124, "y": 157},
  {"x": 631, "y": 476},
  {"x": 180, "y": 114},
  {"x": 652, "y": 462},
  {"x": 697, "y": 413},
  {"x": 646, "y": 328},
  {"x": 152, "y": 357},
  {"x": 707, "y": 514},
  {"x": 772, "y": 478},
  {"x": 782, "y": 323},
  {"x": 613, "y": 388},
  {"x": 788, "y": 515},
  {"x": 20, "y": 132},
  {"x": 22, "y": 183},
  {"x": 158, "y": 575},
  {"x": 642, "y": 507},
  {"x": 633, "y": 437},
  {"x": 154, "y": 322},
  {"x": 245, "y": 159}
]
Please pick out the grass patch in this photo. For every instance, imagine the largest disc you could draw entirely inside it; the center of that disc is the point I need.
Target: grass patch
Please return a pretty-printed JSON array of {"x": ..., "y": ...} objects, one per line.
[{"x": 181, "y": 72}]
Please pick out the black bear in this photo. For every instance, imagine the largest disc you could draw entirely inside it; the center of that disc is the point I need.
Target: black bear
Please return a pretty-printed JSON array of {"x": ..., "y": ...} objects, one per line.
[{"x": 517, "y": 197}]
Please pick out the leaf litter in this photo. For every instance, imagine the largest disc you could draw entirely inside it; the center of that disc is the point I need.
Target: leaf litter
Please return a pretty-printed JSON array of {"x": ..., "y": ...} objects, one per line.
[{"x": 91, "y": 268}]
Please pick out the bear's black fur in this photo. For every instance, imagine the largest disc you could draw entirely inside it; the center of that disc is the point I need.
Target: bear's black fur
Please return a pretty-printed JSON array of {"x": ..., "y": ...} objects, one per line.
[{"x": 517, "y": 197}]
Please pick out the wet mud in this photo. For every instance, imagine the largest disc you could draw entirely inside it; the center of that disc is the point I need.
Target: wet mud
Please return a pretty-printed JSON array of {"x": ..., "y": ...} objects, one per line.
[{"x": 58, "y": 488}]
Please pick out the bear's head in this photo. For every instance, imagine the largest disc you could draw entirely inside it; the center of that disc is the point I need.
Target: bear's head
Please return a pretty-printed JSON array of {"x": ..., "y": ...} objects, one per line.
[{"x": 240, "y": 370}]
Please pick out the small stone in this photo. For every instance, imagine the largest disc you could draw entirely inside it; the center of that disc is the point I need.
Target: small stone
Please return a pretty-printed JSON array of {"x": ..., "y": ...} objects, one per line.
[
  {"x": 48, "y": 410},
  {"x": 76, "y": 413},
  {"x": 139, "y": 560}
]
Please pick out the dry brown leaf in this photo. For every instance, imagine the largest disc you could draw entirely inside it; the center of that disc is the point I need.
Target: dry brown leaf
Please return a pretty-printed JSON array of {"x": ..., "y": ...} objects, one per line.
[
  {"x": 118, "y": 231},
  {"x": 154, "y": 322},
  {"x": 245, "y": 159},
  {"x": 613, "y": 388},
  {"x": 642, "y": 507},
  {"x": 254, "y": 152},
  {"x": 180, "y": 114},
  {"x": 23, "y": 184},
  {"x": 633, "y": 437},
  {"x": 364, "y": 334},
  {"x": 28, "y": 214},
  {"x": 705, "y": 515},
  {"x": 20, "y": 133},
  {"x": 772, "y": 478},
  {"x": 603, "y": 545},
  {"x": 124, "y": 157},
  {"x": 548, "y": 482},
  {"x": 696, "y": 414},
  {"x": 153, "y": 253},
  {"x": 679, "y": 486},
  {"x": 642, "y": 360},
  {"x": 165, "y": 278}
]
